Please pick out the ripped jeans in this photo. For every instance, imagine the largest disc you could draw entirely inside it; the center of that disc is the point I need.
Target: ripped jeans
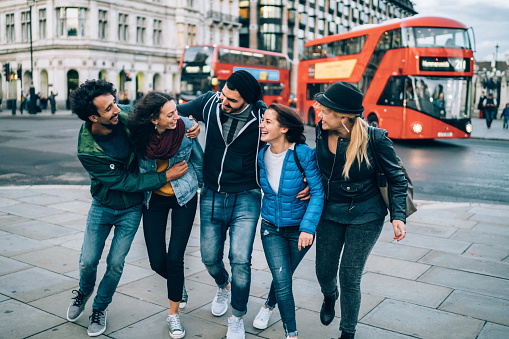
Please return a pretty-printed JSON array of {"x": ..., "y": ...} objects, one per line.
[{"x": 283, "y": 256}]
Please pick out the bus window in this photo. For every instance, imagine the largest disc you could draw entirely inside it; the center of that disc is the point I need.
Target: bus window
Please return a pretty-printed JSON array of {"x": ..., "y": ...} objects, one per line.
[
  {"x": 392, "y": 94},
  {"x": 314, "y": 89},
  {"x": 272, "y": 88},
  {"x": 439, "y": 37},
  {"x": 235, "y": 57},
  {"x": 258, "y": 59},
  {"x": 222, "y": 55}
]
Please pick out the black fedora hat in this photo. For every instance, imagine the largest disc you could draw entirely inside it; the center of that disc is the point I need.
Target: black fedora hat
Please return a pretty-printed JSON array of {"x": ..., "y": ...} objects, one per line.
[{"x": 342, "y": 97}]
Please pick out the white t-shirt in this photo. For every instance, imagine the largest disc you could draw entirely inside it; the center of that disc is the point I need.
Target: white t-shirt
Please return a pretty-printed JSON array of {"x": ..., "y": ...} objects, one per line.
[{"x": 274, "y": 164}]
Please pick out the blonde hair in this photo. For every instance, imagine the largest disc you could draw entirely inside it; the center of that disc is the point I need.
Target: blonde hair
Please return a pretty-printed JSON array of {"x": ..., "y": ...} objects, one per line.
[{"x": 357, "y": 149}]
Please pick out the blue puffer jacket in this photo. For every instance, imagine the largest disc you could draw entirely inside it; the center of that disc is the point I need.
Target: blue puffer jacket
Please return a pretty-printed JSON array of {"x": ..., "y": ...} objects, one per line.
[
  {"x": 284, "y": 209},
  {"x": 186, "y": 186}
]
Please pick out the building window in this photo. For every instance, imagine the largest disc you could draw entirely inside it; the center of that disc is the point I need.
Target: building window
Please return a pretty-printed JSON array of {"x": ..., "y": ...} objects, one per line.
[
  {"x": 190, "y": 3},
  {"x": 140, "y": 29},
  {"x": 123, "y": 27},
  {"x": 9, "y": 27},
  {"x": 25, "y": 26},
  {"x": 103, "y": 24},
  {"x": 191, "y": 34},
  {"x": 42, "y": 23},
  {"x": 158, "y": 32},
  {"x": 71, "y": 21}
]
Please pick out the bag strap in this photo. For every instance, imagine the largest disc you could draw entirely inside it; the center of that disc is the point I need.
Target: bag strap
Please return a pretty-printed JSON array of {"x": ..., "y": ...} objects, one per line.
[
  {"x": 298, "y": 162},
  {"x": 380, "y": 175}
]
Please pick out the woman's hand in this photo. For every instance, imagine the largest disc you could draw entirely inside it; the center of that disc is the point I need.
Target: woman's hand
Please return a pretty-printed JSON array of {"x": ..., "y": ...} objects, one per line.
[
  {"x": 305, "y": 194},
  {"x": 177, "y": 171},
  {"x": 305, "y": 239},
  {"x": 194, "y": 131},
  {"x": 399, "y": 229}
]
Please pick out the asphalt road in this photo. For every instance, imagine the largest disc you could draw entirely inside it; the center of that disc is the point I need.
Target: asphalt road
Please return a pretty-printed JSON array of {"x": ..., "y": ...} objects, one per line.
[{"x": 41, "y": 150}]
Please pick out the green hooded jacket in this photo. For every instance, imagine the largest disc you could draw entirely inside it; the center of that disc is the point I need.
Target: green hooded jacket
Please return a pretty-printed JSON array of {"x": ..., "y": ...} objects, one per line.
[{"x": 115, "y": 184}]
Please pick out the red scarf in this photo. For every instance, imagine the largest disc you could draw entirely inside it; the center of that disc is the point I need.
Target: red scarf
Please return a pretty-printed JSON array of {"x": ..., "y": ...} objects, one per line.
[{"x": 167, "y": 144}]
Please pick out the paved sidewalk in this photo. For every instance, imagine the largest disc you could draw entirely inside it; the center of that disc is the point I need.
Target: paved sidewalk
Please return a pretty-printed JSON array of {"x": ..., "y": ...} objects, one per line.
[{"x": 448, "y": 279}]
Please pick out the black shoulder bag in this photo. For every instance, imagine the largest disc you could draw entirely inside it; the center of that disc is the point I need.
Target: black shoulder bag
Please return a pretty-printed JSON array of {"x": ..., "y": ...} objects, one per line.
[{"x": 382, "y": 179}]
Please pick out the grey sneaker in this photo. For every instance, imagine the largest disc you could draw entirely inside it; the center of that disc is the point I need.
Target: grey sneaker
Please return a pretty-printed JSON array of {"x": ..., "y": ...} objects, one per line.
[
  {"x": 220, "y": 302},
  {"x": 261, "y": 320},
  {"x": 97, "y": 323},
  {"x": 235, "y": 328},
  {"x": 183, "y": 302},
  {"x": 176, "y": 328},
  {"x": 77, "y": 305}
]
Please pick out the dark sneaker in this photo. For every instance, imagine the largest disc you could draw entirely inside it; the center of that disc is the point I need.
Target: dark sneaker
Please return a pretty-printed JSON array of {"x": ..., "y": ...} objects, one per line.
[
  {"x": 345, "y": 335},
  {"x": 97, "y": 324},
  {"x": 77, "y": 305},
  {"x": 183, "y": 302},
  {"x": 327, "y": 312},
  {"x": 176, "y": 329}
]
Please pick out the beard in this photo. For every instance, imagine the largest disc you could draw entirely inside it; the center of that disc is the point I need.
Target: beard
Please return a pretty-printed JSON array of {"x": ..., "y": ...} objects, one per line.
[{"x": 233, "y": 110}]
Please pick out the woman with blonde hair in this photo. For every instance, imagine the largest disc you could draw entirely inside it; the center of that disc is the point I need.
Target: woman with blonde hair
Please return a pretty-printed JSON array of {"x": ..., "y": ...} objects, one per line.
[{"x": 354, "y": 210}]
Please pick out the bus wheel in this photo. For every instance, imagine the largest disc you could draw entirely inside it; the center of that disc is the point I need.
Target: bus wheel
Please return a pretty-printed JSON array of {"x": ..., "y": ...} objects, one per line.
[
  {"x": 373, "y": 120},
  {"x": 311, "y": 117}
]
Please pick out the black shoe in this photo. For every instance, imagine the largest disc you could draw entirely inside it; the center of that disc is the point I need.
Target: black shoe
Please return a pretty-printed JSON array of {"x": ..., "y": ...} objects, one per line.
[
  {"x": 345, "y": 335},
  {"x": 327, "y": 312}
]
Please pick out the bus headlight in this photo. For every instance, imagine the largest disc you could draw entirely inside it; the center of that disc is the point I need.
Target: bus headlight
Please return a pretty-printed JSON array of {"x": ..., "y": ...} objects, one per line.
[
  {"x": 417, "y": 128},
  {"x": 468, "y": 128}
]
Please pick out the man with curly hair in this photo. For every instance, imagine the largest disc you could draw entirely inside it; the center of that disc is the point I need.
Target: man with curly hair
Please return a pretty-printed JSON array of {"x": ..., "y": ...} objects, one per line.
[{"x": 106, "y": 152}]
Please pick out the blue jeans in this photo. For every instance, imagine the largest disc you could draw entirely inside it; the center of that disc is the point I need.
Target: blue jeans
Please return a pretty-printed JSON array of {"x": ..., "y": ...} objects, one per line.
[
  {"x": 99, "y": 223},
  {"x": 238, "y": 213},
  {"x": 283, "y": 256},
  {"x": 356, "y": 242}
]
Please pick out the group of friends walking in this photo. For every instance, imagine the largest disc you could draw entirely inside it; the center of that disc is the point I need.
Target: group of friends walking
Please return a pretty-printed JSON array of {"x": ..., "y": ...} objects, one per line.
[{"x": 145, "y": 162}]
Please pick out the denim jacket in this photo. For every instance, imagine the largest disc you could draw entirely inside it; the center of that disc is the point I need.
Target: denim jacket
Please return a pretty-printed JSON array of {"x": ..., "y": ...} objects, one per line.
[{"x": 186, "y": 186}]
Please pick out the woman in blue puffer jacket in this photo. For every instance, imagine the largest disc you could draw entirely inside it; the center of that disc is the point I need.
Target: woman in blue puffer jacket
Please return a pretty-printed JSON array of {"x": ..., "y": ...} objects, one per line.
[
  {"x": 159, "y": 137},
  {"x": 288, "y": 223}
]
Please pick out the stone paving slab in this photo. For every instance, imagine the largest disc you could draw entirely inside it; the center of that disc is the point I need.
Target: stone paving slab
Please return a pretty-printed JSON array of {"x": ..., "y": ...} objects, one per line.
[
  {"x": 20, "y": 320},
  {"x": 429, "y": 229},
  {"x": 403, "y": 289},
  {"x": 434, "y": 243},
  {"x": 55, "y": 259},
  {"x": 475, "y": 265},
  {"x": 33, "y": 283},
  {"x": 490, "y": 239},
  {"x": 467, "y": 281},
  {"x": 496, "y": 229},
  {"x": 496, "y": 253},
  {"x": 395, "y": 267},
  {"x": 29, "y": 210},
  {"x": 494, "y": 331},
  {"x": 44, "y": 199},
  {"x": 12, "y": 244},
  {"x": 478, "y": 306},
  {"x": 8, "y": 266},
  {"x": 38, "y": 230},
  {"x": 422, "y": 322},
  {"x": 399, "y": 250},
  {"x": 65, "y": 331},
  {"x": 9, "y": 219}
]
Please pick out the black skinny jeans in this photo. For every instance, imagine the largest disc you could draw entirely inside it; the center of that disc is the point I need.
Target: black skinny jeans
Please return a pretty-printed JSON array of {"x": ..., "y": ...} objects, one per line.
[
  {"x": 356, "y": 242},
  {"x": 168, "y": 264}
]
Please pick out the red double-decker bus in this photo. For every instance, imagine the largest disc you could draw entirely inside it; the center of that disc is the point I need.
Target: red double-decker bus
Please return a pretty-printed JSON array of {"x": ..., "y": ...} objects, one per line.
[
  {"x": 415, "y": 73},
  {"x": 207, "y": 67}
]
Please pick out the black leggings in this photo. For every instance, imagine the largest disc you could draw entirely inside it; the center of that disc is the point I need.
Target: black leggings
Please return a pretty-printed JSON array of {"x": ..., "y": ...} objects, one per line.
[{"x": 168, "y": 264}]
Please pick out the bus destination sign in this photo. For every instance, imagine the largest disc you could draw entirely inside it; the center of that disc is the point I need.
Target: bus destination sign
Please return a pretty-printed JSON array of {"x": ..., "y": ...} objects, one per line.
[{"x": 444, "y": 64}]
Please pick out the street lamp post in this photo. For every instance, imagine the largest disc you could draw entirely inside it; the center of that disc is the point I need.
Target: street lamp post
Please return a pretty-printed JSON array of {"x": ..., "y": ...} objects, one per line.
[{"x": 33, "y": 100}]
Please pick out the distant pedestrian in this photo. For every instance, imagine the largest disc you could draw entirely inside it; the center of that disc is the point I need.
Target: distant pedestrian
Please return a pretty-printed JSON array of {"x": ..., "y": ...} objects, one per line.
[
  {"x": 52, "y": 102},
  {"x": 480, "y": 106},
  {"x": 505, "y": 115},
  {"x": 490, "y": 109}
]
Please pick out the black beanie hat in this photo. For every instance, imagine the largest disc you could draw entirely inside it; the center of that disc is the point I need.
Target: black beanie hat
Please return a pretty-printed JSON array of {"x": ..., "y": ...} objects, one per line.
[{"x": 246, "y": 84}]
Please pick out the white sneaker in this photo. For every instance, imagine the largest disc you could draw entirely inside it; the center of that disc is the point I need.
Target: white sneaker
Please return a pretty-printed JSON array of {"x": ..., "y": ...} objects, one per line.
[
  {"x": 235, "y": 328},
  {"x": 220, "y": 303},
  {"x": 261, "y": 320}
]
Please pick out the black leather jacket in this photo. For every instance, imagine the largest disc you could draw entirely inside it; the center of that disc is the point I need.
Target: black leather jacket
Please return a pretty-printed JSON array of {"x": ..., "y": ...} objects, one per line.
[{"x": 361, "y": 185}]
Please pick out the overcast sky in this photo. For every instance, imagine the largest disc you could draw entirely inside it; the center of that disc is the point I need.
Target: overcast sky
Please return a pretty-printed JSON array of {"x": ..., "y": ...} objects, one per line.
[{"x": 489, "y": 18}]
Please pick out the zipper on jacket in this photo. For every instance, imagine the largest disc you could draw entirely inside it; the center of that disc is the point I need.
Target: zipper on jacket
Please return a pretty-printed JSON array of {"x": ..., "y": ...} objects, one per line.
[
  {"x": 221, "y": 171},
  {"x": 331, "y": 171}
]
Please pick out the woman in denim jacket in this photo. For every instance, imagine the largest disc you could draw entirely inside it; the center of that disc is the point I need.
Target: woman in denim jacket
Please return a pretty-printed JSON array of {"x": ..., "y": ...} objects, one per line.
[
  {"x": 158, "y": 134},
  {"x": 288, "y": 223}
]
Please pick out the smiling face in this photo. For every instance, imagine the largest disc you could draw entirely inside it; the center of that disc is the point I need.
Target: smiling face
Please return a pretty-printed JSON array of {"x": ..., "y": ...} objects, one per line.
[
  {"x": 331, "y": 120},
  {"x": 270, "y": 129},
  {"x": 231, "y": 101},
  {"x": 167, "y": 117},
  {"x": 107, "y": 111}
]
